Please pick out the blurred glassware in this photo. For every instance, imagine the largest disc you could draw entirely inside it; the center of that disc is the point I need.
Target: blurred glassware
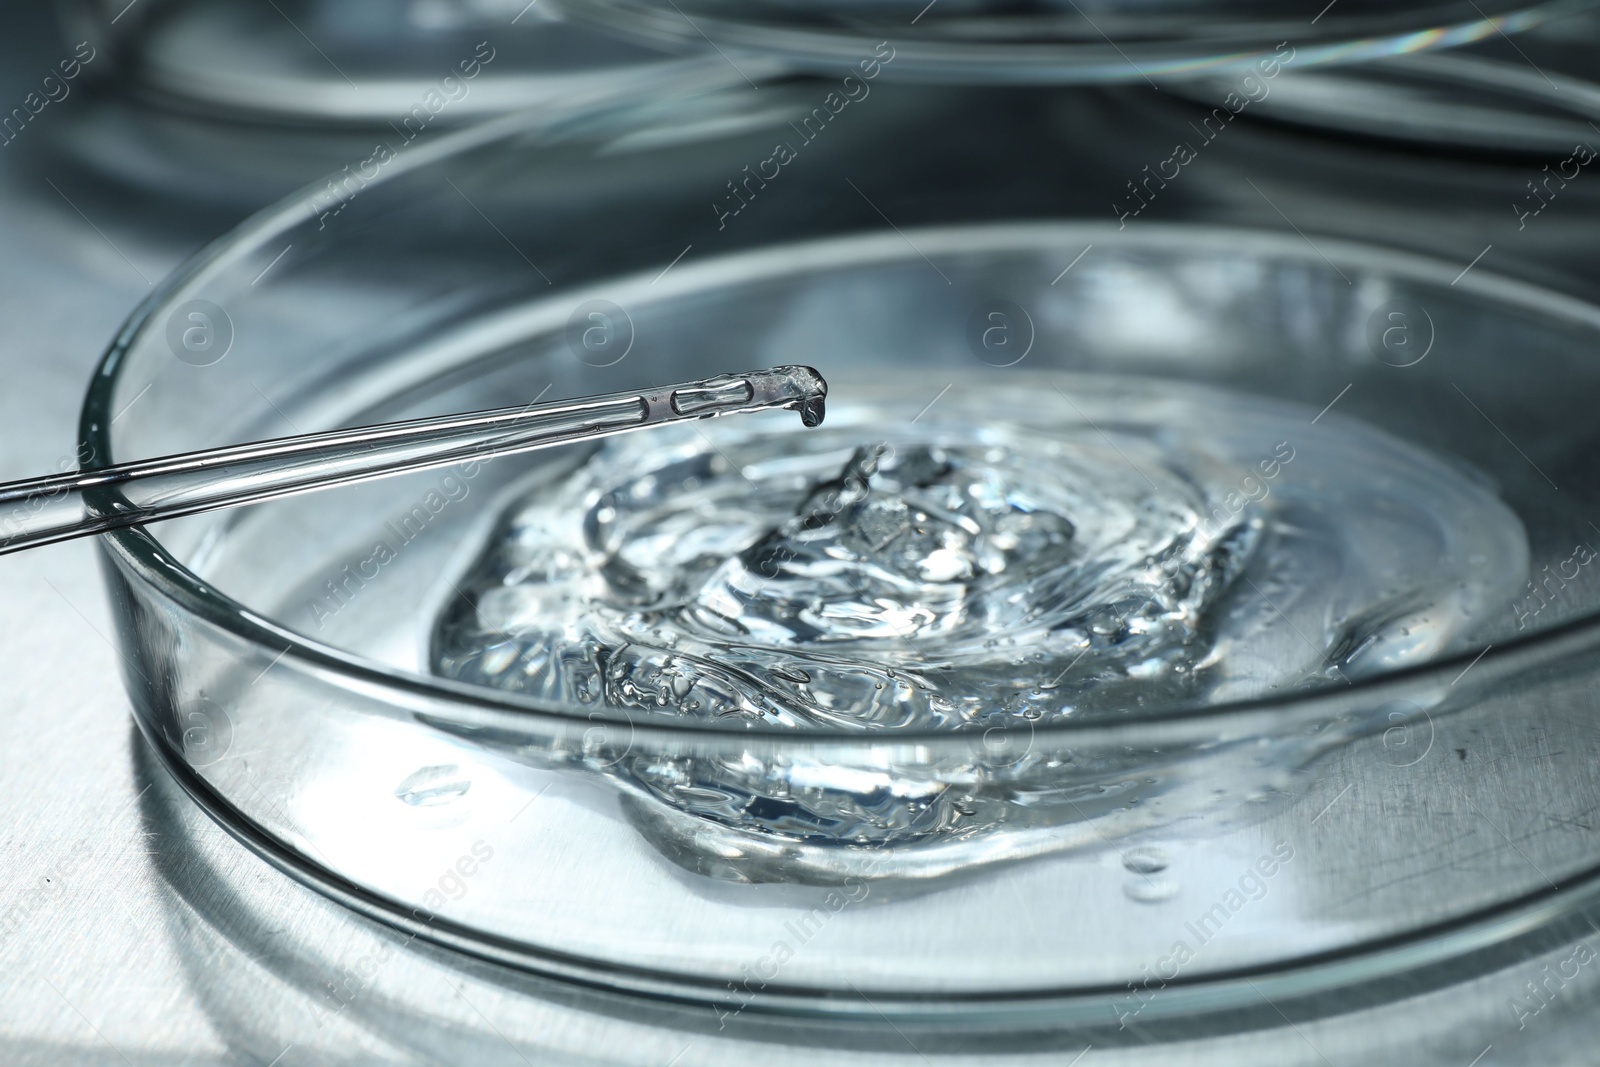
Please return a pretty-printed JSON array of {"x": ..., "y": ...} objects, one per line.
[
  {"x": 362, "y": 62},
  {"x": 1062, "y": 41},
  {"x": 1533, "y": 95},
  {"x": 229, "y": 103}
]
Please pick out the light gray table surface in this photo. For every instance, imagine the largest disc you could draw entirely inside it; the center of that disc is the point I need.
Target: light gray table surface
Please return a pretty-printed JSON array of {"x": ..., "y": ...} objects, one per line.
[{"x": 88, "y": 974}]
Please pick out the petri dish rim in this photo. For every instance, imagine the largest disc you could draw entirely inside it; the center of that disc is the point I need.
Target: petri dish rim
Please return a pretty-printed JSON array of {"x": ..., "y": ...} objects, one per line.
[
  {"x": 477, "y": 706},
  {"x": 1361, "y": 974},
  {"x": 925, "y": 54},
  {"x": 1447, "y": 71}
]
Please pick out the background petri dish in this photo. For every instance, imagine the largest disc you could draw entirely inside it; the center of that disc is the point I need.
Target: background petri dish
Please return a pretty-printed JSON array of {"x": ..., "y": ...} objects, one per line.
[
  {"x": 1533, "y": 95},
  {"x": 369, "y": 62},
  {"x": 983, "y": 42},
  {"x": 318, "y": 746},
  {"x": 233, "y": 105}
]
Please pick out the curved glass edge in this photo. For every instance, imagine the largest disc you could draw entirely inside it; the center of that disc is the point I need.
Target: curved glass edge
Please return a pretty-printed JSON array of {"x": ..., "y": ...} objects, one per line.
[
  {"x": 1442, "y": 72},
  {"x": 924, "y": 55},
  {"x": 1362, "y": 975}
]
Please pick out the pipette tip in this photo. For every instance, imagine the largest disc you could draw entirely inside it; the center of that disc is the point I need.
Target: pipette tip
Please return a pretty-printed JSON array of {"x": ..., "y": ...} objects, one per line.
[{"x": 812, "y": 388}]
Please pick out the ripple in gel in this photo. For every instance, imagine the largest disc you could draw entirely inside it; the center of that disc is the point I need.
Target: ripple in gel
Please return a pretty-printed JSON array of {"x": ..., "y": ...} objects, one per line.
[{"x": 1032, "y": 549}]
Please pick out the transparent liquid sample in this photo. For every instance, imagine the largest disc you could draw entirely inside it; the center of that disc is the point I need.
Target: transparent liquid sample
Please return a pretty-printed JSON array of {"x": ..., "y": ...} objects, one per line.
[{"x": 1029, "y": 550}]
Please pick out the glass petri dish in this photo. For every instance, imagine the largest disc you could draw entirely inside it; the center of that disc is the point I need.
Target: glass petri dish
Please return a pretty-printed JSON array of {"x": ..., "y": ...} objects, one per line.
[
  {"x": 365, "y": 63},
  {"x": 986, "y": 42},
  {"x": 1449, "y": 101},
  {"x": 236, "y": 105},
  {"x": 486, "y": 820}
]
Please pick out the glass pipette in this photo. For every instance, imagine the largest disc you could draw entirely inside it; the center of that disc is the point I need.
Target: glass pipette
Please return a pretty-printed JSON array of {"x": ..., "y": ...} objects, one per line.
[{"x": 58, "y": 507}]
